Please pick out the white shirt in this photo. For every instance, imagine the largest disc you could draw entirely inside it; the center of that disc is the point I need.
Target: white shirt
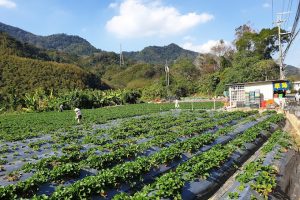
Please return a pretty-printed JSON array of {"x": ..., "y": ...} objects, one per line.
[{"x": 297, "y": 96}]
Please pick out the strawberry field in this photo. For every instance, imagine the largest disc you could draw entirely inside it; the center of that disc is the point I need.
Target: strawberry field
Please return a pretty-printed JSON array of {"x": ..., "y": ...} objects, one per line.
[{"x": 141, "y": 151}]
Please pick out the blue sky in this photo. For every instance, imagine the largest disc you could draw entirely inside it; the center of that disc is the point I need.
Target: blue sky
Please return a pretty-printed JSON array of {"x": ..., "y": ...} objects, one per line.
[{"x": 193, "y": 24}]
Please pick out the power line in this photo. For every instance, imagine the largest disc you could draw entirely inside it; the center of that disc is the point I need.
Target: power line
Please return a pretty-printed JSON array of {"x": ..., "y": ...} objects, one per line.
[
  {"x": 289, "y": 9},
  {"x": 293, "y": 33},
  {"x": 295, "y": 24},
  {"x": 283, "y": 6},
  {"x": 290, "y": 43},
  {"x": 272, "y": 12}
]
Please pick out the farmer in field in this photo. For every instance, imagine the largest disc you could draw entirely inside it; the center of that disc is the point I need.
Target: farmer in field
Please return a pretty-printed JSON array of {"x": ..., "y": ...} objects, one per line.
[
  {"x": 176, "y": 104},
  {"x": 61, "y": 108},
  {"x": 78, "y": 115},
  {"x": 297, "y": 97}
]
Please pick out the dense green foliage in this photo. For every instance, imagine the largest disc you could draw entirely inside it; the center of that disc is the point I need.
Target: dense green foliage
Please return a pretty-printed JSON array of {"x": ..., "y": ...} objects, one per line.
[
  {"x": 251, "y": 62},
  {"x": 134, "y": 76},
  {"x": 10, "y": 46},
  {"x": 39, "y": 100},
  {"x": 60, "y": 42},
  {"x": 21, "y": 75},
  {"x": 262, "y": 44},
  {"x": 159, "y": 55},
  {"x": 190, "y": 73}
]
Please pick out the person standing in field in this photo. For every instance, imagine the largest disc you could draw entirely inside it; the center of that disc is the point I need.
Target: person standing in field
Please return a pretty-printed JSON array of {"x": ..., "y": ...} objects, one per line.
[
  {"x": 78, "y": 115},
  {"x": 176, "y": 104},
  {"x": 297, "y": 97},
  {"x": 61, "y": 108}
]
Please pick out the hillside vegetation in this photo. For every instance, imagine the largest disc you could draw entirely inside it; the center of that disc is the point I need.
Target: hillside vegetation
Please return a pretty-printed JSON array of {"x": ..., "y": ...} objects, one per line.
[
  {"x": 62, "y": 65},
  {"x": 10, "y": 46},
  {"x": 21, "y": 75},
  {"x": 25, "y": 69},
  {"x": 61, "y": 42},
  {"x": 292, "y": 72},
  {"x": 159, "y": 55}
]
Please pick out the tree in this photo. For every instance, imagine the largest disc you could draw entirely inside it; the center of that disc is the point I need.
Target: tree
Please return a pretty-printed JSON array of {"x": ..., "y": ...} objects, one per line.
[
  {"x": 266, "y": 69},
  {"x": 243, "y": 29},
  {"x": 220, "y": 48},
  {"x": 224, "y": 53},
  {"x": 184, "y": 69},
  {"x": 259, "y": 44},
  {"x": 206, "y": 63}
]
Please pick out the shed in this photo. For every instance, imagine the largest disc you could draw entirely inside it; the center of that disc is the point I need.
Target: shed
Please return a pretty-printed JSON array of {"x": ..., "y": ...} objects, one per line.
[{"x": 252, "y": 94}]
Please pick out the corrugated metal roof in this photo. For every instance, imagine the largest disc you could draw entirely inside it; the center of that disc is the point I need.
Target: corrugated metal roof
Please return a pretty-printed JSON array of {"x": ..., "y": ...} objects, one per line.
[{"x": 257, "y": 82}]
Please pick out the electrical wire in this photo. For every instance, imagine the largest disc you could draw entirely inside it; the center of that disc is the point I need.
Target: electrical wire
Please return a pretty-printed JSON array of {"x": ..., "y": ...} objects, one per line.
[
  {"x": 293, "y": 33},
  {"x": 272, "y": 13},
  {"x": 283, "y": 6},
  {"x": 289, "y": 44},
  {"x": 295, "y": 24},
  {"x": 289, "y": 10}
]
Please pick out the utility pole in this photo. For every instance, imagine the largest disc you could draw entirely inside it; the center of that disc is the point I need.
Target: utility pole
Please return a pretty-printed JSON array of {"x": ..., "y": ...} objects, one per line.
[
  {"x": 121, "y": 56},
  {"x": 279, "y": 23},
  {"x": 167, "y": 70}
]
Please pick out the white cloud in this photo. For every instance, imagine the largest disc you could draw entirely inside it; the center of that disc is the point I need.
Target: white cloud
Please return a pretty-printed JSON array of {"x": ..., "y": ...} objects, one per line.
[
  {"x": 203, "y": 48},
  {"x": 7, "y": 4},
  {"x": 189, "y": 38},
  {"x": 143, "y": 18},
  {"x": 266, "y": 5},
  {"x": 113, "y": 5}
]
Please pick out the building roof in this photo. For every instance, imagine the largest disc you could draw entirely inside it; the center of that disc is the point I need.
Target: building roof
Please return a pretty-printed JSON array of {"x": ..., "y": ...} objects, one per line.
[{"x": 257, "y": 82}]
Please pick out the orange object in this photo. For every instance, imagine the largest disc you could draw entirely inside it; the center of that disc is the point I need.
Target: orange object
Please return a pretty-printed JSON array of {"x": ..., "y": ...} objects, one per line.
[
  {"x": 270, "y": 101},
  {"x": 263, "y": 104}
]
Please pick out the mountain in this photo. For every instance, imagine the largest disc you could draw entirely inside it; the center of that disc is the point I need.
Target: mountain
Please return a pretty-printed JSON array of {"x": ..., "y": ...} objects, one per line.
[
  {"x": 292, "y": 72},
  {"x": 10, "y": 46},
  {"x": 77, "y": 46},
  {"x": 141, "y": 69},
  {"x": 60, "y": 42},
  {"x": 159, "y": 55}
]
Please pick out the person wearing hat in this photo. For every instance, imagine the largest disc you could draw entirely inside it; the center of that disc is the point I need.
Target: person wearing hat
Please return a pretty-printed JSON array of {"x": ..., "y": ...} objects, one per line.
[{"x": 78, "y": 115}]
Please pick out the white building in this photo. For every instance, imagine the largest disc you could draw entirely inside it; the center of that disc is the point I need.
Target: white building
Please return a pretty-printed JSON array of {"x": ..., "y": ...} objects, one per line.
[
  {"x": 254, "y": 93},
  {"x": 296, "y": 85}
]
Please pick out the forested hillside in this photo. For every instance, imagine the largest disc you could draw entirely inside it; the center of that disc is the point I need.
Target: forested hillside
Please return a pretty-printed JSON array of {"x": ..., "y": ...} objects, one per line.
[
  {"x": 10, "y": 46},
  {"x": 292, "y": 72},
  {"x": 60, "y": 42},
  {"x": 159, "y": 55},
  {"x": 25, "y": 67},
  {"x": 21, "y": 75},
  {"x": 134, "y": 76},
  {"x": 251, "y": 61}
]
